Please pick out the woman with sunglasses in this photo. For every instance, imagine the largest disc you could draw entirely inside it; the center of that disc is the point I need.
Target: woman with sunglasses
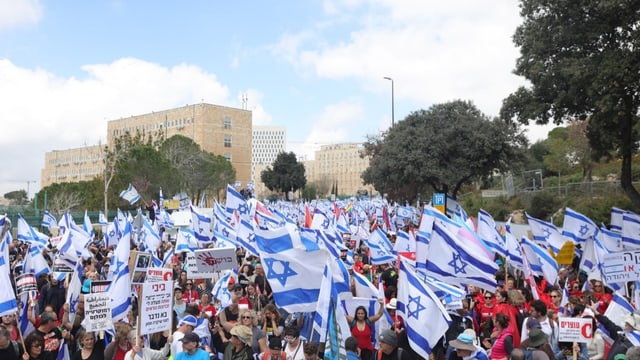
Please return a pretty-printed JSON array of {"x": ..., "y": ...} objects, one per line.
[
  {"x": 259, "y": 342},
  {"x": 189, "y": 293}
]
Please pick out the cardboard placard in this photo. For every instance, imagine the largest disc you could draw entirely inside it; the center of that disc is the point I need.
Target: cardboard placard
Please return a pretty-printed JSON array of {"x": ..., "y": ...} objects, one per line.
[
  {"x": 97, "y": 312},
  {"x": 575, "y": 329},
  {"x": 155, "y": 307},
  {"x": 26, "y": 283},
  {"x": 214, "y": 260}
]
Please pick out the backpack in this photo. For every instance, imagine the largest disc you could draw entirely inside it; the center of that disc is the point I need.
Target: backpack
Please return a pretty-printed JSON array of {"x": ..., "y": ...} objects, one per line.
[{"x": 267, "y": 355}]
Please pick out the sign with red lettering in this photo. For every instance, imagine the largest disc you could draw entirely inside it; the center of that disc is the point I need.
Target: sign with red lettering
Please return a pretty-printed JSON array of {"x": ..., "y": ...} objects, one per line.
[
  {"x": 575, "y": 329},
  {"x": 155, "y": 307},
  {"x": 214, "y": 260},
  {"x": 159, "y": 274},
  {"x": 621, "y": 267}
]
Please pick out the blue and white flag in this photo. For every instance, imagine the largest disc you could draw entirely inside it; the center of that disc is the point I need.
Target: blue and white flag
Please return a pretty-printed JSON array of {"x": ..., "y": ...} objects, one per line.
[
  {"x": 405, "y": 242},
  {"x": 26, "y": 326},
  {"x": 294, "y": 267},
  {"x": 445, "y": 291},
  {"x": 489, "y": 233},
  {"x": 630, "y": 230},
  {"x": 363, "y": 287},
  {"x": 546, "y": 234},
  {"x": 120, "y": 287},
  {"x": 220, "y": 289},
  {"x": 236, "y": 202},
  {"x": 321, "y": 221},
  {"x": 35, "y": 263},
  {"x": 8, "y": 301},
  {"x": 616, "y": 219},
  {"x": 425, "y": 319},
  {"x": 86, "y": 224},
  {"x": 245, "y": 236},
  {"x": 578, "y": 227},
  {"x": 380, "y": 252},
  {"x": 450, "y": 260},
  {"x": 514, "y": 253},
  {"x": 610, "y": 240},
  {"x": 148, "y": 236},
  {"x": 63, "y": 351},
  {"x": 74, "y": 290},
  {"x": 186, "y": 241},
  {"x": 130, "y": 194},
  {"x": 48, "y": 220},
  {"x": 28, "y": 234},
  {"x": 202, "y": 226},
  {"x": 542, "y": 263}
]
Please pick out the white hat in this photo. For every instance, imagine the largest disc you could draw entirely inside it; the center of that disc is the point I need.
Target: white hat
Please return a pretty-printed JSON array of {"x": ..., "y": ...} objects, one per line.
[{"x": 392, "y": 304}]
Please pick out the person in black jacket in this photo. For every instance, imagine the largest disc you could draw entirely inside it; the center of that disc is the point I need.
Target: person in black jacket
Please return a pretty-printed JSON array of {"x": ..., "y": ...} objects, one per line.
[{"x": 52, "y": 294}]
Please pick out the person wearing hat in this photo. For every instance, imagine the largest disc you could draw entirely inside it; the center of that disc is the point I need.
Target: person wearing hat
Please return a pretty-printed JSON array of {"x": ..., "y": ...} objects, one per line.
[
  {"x": 466, "y": 348},
  {"x": 533, "y": 323},
  {"x": 620, "y": 344},
  {"x": 360, "y": 326},
  {"x": 239, "y": 347},
  {"x": 537, "y": 339},
  {"x": 275, "y": 350},
  {"x": 191, "y": 348},
  {"x": 185, "y": 326},
  {"x": 389, "y": 349}
]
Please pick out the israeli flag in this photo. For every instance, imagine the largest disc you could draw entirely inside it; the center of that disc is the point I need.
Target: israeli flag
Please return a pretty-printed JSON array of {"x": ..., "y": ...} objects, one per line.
[
  {"x": 130, "y": 194},
  {"x": 546, "y": 234},
  {"x": 489, "y": 234},
  {"x": 541, "y": 261},
  {"x": 616, "y": 219},
  {"x": 426, "y": 320},
  {"x": 578, "y": 227},
  {"x": 630, "y": 230},
  {"x": 294, "y": 267},
  {"x": 48, "y": 220}
]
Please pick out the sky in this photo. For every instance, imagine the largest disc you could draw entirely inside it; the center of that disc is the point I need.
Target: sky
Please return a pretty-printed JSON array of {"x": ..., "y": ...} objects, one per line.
[{"x": 316, "y": 67}]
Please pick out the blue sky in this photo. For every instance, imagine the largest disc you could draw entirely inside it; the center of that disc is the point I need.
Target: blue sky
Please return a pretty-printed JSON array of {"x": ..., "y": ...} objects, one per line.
[{"x": 314, "y": 66}]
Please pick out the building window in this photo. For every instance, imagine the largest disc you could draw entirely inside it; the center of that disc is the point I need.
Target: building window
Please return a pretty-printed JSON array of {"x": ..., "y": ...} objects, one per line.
[
  {"x": 227, "y": 122},
  {"x": 228, "y": 156},
  {"x": 227, "y": 141}
]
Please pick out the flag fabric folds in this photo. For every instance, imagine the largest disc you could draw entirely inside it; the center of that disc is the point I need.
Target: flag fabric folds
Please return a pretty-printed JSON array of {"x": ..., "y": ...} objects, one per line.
[
  {"x": 130, "y": 194},
  {"x": 294, "y": 267},
  {"x": 426, "y": 320}
]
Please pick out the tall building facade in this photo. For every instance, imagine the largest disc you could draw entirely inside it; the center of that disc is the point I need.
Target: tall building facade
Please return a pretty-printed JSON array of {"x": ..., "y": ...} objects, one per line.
[
  {"x": 72, "y": 165},
  {"x": 341, "y": 165},
  {"x": 217, "y": 129},
  {"x": 268, "y": 142}
]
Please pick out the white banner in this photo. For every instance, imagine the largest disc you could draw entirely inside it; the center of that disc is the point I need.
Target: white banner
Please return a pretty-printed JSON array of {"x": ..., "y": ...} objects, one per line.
[
  {"x": 97, "y": 312},
  {"x": 575, "y": 329},
  {"x": 159, "y": 274},
  {"x": 621, "y": 267},
  {"x": 155, "y": 307},
  {"x": 192, "y": 268},
  {"x": 214, "y": 260}
]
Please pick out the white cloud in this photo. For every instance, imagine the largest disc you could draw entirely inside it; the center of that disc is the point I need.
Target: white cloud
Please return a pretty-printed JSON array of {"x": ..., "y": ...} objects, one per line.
[
  {"x": 53, "y": 113},
  {"x": 330, "y": 127},
  {"x": 19, "y": 13},
  {"x": 435, "y": 51}
]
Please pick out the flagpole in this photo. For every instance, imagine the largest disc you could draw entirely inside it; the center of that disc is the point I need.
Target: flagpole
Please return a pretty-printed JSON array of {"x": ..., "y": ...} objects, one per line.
[{"x": 24, "y": 348}]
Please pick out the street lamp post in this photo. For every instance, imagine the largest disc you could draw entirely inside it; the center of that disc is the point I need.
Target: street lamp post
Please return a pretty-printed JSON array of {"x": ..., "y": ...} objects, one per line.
[{"x": 393, "y": 121}]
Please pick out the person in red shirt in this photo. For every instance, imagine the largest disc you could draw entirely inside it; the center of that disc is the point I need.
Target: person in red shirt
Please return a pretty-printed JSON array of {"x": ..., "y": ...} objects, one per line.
[
  {"x": 189, "y": 293},
  {"x": 602, "y": 298}
]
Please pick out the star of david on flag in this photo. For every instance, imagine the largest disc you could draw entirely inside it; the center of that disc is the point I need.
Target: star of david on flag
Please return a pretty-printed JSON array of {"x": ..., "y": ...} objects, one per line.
[
  {"x": 425, "y": 319},
  {"x": 294, "y": 266}
]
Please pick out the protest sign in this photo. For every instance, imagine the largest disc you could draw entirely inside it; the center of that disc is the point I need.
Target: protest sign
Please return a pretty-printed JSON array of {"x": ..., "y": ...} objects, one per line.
[
  {"x": 26, "y": 283},
  {"x": 214, "y": 260},
  {"x": 159, "y": 274},
  {"x": 60, "y": 266},
  {"x": 97, "y": 312},
  {"x": 575, "y": 329},
  {"x": 155, "y": 307},
  {"x": 621, "y": 267},
  {"x": 99, "y": 286},
  {"x": 139, "y": 262},
  {"x": 192, "y": 268}
]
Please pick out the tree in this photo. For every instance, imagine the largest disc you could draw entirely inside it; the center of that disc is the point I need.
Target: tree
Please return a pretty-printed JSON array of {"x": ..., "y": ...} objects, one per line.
[
  {"x": 286, "y": 175},
  {"x": 443, "y": 148},
  {"x": 18, "y": 197},
  {"x": 581, "y": 59}
]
